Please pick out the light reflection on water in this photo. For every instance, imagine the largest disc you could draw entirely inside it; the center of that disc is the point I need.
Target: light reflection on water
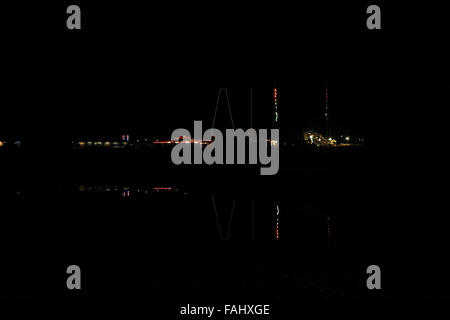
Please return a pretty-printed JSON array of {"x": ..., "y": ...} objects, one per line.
[
  {"x": 129, "y": 190},
  {"x": 181, "y": 236},
  {"x": 271, "y": 212}
]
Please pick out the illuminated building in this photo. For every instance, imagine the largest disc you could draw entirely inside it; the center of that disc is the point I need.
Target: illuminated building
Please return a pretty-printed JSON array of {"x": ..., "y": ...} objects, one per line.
[{"x": 317, "y": 139}]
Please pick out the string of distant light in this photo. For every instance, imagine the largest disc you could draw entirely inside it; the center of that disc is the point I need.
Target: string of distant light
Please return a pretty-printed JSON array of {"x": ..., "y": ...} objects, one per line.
[{"x": 275, "y": 101}]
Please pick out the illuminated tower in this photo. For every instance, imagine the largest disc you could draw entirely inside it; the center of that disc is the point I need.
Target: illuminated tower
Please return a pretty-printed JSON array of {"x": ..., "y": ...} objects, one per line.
[{"x": 275, "y": 107}]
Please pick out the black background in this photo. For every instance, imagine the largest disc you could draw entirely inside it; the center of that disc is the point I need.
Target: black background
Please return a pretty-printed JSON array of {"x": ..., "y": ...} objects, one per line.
[{"x": 151, "y": 68}]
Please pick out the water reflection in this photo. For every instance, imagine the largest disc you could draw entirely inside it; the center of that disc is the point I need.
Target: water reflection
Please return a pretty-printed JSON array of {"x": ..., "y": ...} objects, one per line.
[
  {"x": 129, "y": 190},
  {"x": 182, "y": 238},
  {"x": 277, "y": 221},
  {"x": 232, "y": 218}
]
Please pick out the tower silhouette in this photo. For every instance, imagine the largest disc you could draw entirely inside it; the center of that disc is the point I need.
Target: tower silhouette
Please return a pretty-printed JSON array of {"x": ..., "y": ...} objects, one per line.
[{"x": 217, "y": 107}]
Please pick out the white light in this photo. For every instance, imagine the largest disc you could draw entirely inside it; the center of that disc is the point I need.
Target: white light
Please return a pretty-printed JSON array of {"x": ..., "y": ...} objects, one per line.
[{"x": 347, "y": 138}]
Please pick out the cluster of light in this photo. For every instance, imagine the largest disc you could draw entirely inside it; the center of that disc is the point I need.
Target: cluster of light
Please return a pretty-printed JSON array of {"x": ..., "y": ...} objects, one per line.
[
  {"x": 183, "y": 139},
  {"x": 272, "y": 142},
  {"x": 162, "y": 188},
  {"x": 101, "y": 143},
  {"x": 125, "y": 140},
  {"x": 17, "y": 143},
  {"x": 318, "y": 139}
]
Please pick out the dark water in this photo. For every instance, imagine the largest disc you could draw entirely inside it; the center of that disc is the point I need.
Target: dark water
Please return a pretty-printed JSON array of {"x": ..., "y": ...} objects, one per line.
[{"x": 137, "y": 226}]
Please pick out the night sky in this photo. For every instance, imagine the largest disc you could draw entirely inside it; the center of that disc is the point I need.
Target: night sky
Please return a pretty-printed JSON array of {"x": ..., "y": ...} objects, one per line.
[{"x": 150, "y": 69}]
